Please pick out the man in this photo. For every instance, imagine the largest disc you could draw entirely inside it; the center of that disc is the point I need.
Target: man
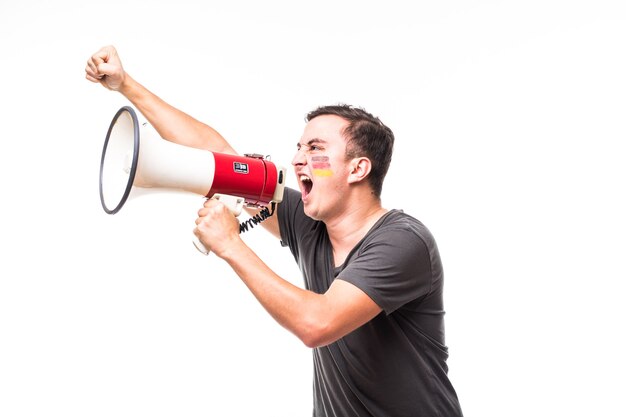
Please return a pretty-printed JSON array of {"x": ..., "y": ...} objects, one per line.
[{"x": 372, "y": 309}]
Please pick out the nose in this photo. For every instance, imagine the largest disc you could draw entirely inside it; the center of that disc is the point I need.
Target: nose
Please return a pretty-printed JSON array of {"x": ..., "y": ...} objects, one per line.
[{"x": 299, "y": 158}]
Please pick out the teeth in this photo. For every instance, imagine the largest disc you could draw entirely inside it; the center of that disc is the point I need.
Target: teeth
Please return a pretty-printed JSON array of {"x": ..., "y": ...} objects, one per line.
[{"x": 304, "y": 178}]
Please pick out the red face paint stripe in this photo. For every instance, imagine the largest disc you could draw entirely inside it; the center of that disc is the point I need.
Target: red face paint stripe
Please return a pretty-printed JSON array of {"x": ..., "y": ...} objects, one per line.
[{"x": 320, "y": 162}]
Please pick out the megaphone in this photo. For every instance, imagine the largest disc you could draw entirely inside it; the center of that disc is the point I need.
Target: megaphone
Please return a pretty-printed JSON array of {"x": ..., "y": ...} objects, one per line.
[{"x": 135, "y": 155}]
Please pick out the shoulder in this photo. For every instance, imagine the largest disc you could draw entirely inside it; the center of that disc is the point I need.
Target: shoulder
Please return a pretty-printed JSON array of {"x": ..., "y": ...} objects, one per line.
[
  {"x": 396, "y": 224},
  {"x": 395, "y": 263},
  {"x": 400, "y": 242}
]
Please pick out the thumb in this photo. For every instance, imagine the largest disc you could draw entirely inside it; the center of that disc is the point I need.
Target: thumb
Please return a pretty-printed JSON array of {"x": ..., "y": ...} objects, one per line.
[
  {"x": 107, "y": 69},
  {"x": 112, "y": 76}
]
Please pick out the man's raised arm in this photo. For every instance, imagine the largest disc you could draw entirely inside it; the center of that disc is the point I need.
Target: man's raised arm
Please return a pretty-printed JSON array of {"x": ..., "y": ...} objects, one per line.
[{"x": 105, "y": 67}]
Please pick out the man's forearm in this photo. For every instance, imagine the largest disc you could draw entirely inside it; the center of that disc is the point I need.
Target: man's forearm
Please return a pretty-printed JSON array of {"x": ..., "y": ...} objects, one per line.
[
  {"x": 296, "y": 309},
  {"x": 171, "y": 123}
]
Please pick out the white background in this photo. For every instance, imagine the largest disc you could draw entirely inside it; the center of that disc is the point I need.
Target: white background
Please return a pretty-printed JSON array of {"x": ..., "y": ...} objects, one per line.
[{"x": 510, "y": 124}]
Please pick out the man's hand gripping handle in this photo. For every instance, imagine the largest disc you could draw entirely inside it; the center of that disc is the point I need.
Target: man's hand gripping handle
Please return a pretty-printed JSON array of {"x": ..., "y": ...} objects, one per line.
[{"x": 234, "y": 204}]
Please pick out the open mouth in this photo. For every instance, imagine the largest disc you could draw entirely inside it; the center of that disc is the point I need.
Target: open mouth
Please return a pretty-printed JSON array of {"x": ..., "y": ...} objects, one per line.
[{"x": 306, "y": 185}]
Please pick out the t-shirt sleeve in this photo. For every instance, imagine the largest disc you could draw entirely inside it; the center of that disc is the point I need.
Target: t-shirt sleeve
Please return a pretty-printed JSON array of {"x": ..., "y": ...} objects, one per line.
[{"x": 393, "y": 268}]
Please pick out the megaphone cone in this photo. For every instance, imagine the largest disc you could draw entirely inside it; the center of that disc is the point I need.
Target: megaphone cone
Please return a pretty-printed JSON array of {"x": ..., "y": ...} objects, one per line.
[{"x": 135, "y": 155}]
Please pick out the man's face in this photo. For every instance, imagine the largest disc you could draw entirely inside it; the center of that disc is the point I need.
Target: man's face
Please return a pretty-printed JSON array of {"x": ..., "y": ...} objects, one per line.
[{"x": 321, "y": 167}]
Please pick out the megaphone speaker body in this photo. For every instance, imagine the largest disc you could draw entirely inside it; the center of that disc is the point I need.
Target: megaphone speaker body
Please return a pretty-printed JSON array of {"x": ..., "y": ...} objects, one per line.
[{"x": 135, "y": 155}]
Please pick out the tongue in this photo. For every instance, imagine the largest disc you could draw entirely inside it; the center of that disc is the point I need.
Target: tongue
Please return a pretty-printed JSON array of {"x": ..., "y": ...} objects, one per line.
[{"x": 307, "y": 186}]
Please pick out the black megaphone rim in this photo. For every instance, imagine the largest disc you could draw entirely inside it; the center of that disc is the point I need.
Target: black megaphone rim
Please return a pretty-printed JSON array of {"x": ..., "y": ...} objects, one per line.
[{"x": 133, "y": 168}]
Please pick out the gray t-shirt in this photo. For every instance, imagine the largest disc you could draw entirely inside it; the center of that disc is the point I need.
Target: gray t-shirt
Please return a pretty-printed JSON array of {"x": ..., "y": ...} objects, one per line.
[{"x": 394, "y": 365}]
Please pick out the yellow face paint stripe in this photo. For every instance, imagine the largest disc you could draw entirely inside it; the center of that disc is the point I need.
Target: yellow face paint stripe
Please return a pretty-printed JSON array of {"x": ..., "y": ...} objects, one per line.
[{"x": 322, "y": 172}]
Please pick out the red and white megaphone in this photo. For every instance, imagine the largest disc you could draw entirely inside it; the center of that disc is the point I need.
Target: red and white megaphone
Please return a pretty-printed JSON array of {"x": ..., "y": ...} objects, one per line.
[{"x": 135, "y": 155}]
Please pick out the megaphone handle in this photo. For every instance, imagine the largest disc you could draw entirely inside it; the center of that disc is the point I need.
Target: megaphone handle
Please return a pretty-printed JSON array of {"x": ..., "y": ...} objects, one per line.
[
  {"x": 201, "y": 248},
  {"x": 234, "y": 204}
]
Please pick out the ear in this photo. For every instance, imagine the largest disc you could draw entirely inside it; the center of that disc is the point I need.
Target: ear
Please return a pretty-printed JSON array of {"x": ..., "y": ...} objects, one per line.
[{"x": 360, "y": 168}]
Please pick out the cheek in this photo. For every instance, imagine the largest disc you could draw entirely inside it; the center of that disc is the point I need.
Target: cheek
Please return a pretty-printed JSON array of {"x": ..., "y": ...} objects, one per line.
[{"x": 321, "y": 166}]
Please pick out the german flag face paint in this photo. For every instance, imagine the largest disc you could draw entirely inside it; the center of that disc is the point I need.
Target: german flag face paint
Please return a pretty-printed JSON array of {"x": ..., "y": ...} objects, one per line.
[{"x": 321, "y": 166}]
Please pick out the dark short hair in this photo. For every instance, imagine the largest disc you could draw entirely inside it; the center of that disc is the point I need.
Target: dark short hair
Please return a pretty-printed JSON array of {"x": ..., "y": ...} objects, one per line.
[{"x": 366, "y": 136}]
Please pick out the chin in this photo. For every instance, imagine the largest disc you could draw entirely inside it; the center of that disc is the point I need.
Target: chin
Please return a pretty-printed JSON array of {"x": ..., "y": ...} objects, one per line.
[{"x": 312, "y": 213}]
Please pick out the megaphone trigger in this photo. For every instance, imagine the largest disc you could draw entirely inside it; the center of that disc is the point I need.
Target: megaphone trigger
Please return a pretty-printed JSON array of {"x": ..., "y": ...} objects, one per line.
[{"x": 233, "y": 203}]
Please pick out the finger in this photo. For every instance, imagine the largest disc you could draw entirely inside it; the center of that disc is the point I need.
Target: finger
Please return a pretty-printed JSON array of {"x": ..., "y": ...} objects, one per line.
[
  {"x": 92, "y": 71},
  {"x": 214, "y": 207},
  {"x": 91, "y": 63},
  {"x": 107, "y": 69},
  {"x": 207, "y": 212},
  {"x": 103, "y": 55},
  {"x": 91, "y": 68},
  {"x": 203, "y": 211},
  {"x": 92, "y": 79},
  {"x": 92, "y": 75},
  {"x": 211, "y": 202}
]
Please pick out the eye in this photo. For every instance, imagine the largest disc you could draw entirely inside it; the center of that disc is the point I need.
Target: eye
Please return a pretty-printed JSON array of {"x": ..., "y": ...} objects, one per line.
[{"x": 309, "y": 147}]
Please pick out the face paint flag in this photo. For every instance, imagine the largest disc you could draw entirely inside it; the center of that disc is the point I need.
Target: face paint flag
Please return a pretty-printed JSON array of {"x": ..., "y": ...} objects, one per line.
[{"x": 321, "y": 166}]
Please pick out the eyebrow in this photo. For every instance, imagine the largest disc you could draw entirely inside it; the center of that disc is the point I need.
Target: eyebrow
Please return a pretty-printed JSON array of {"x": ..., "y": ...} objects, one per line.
[{"x": 311, "y": 142}]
